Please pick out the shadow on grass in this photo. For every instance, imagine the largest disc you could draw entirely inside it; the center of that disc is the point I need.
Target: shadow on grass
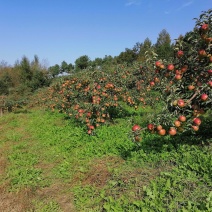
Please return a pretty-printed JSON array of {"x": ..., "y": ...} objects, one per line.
[
  {"x": 24, "y": 111},
  {"x": 153, "y": 143}
]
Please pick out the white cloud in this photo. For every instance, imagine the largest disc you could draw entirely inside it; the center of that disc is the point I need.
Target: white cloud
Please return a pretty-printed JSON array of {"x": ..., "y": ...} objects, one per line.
[
  {"x": 132, "y": 2},
  {"x": 167, "y": 12},
  {"x": 185, "y": 5}
]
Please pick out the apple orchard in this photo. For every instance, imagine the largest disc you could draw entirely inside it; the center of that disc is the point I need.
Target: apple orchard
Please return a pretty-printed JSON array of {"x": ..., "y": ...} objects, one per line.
[{"x": 182, "y": 86}]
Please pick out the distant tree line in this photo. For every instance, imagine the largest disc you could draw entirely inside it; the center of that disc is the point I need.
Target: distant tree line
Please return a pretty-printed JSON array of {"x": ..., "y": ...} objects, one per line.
[
  {"x": 27, "y": 76},
  {"x": 163, "y": 48},
  {"x": 24, "y": 76}
]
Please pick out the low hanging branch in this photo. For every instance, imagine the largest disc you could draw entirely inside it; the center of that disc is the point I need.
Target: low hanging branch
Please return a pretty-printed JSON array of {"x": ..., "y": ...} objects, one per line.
[{"x": 195, "y": 94}]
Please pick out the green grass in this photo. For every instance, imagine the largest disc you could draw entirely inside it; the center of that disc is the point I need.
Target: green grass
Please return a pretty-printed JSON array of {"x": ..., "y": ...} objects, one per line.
[{"x": 54, "y": 159}]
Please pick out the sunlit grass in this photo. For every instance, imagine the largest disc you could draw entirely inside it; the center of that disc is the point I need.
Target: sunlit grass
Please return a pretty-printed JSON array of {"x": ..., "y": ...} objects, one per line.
[{"x": 44, "y": 151}]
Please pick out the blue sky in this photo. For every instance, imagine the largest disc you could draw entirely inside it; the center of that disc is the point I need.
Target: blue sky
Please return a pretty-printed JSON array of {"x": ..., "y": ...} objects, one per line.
[{"x": 58, "y": 30}]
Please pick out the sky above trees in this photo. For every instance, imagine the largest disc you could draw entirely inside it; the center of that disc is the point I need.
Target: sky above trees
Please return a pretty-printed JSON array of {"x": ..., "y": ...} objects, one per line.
[{"x": 58, "y": 30}]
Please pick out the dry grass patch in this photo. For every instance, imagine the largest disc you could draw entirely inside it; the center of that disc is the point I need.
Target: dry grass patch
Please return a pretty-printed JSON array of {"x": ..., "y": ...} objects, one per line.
[
  {"x": 15, "y": 201},
  {"x": 99, "y": 174},
  {"x": 58, "y": 192}
]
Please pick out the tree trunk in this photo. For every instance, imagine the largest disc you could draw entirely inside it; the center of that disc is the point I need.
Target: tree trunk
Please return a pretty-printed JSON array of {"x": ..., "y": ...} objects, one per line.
[{"x": 1, "y": 111}]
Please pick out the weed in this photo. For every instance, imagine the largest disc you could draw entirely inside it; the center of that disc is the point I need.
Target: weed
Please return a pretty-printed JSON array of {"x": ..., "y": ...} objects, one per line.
[{"x": 107, "y": 172}]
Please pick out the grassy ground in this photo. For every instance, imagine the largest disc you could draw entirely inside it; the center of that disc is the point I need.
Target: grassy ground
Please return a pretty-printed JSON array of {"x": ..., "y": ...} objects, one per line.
[{"x": 47, "y": 163}]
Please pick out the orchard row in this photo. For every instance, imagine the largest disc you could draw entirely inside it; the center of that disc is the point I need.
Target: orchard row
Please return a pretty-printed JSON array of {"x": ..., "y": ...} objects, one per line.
[{"x": 182, "y": 84}]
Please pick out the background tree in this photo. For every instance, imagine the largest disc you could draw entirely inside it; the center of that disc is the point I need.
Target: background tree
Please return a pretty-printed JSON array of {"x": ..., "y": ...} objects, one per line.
[
  {"x": 3, "y": 64},
  {"x": 163, "y": 46},
  {"x": 54, "y": 70},
  {"x": 64, "y": 67},
  {"x": 97, "y": 62},
  {"x": 40, "y": 79},
  {"x": 5, "y": 83},
  {"x": 82, "y": 62},
  {"x": 35, "y": 63},
  {"x": 26, "y": 72},
  {"x": 128, "y": 56},
  {"x": 108, "y": 60},
  {"x": 141, "y": 48},
  {"x": 3, "y": 88},
  {"x": 70, "y": 68}
]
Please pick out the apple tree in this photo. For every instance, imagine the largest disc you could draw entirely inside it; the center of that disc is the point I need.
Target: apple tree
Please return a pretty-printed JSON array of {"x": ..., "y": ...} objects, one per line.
[{"x": 184, "y": 83}]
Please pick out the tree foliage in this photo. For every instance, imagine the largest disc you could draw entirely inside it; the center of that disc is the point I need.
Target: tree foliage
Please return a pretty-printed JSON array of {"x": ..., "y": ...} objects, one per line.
[
  {"x": 163, "y": 46},
  {"x": 128, "y": 56},
  {"x": 82, "y": 62}
]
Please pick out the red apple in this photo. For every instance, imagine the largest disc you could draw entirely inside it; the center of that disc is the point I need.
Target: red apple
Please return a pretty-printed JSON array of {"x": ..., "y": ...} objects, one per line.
[
  {"x": 159, "y": 127},
  {"x": 210, "y": 72},
  {"x": 172, "y": 131},
  {"x": 91, "y": 127},
  {"x": 195, "y": 128},
  {"x": 180, "y": 53},
  {"x": 162, "y": 66},
  {"x": 81, "y": 111},
  {"x": 204, "y": 97},
  {"x": 210, "y": 84},
  {"x": 177, "y": 123},
  {"x": 150, "y": 126},
  {"x": 181, "y": 103},
  {"x": 182, "y": 118},
  {"x": 184, "y": 68},
  {"x": 98, "y": 86},
  {"x": 170, "y": 67},
  {"x": 152, "y": 83},
  {"x": 89, "y": 132},
  {"x": 204, "y": 28},
  {"x": 191, "y": 87},
  {"x": 197, "y": 121},
  {"x": 178, "y": 76},
  {"x": 178, "y": 72},
  {"x": 202, "y": 53},
  {"x": 158, "y": 64},
  {"x": 89, "y": 114},
  {"x": 136, "y": 128},
  {"x": 162, "y": 132}
]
